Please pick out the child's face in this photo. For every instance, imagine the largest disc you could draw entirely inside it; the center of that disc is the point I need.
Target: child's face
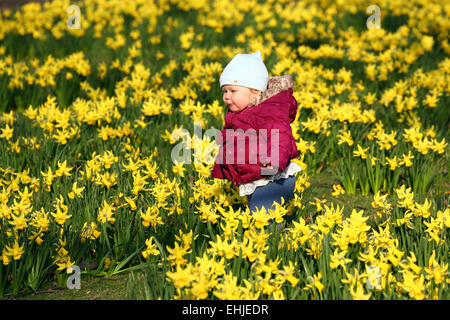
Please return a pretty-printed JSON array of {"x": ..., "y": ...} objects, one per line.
[{"x": 237, "y": 98}]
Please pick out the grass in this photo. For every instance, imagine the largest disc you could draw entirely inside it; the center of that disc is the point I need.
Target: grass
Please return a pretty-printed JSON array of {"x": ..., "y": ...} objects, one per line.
[{"x": 91, "y": 288}]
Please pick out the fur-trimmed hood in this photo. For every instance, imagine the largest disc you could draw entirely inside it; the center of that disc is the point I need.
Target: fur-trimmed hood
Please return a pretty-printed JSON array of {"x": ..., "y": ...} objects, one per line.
[{"x": 275, "y": 85}]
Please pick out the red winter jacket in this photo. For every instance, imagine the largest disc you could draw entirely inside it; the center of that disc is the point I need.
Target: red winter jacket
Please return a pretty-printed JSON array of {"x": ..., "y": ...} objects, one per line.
[{"x": 275, "y": 108}]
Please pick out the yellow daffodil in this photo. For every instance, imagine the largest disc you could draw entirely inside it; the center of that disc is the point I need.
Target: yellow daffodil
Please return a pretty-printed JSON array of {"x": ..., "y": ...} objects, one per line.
[
  {"x": 14, "y": 252},
  {"x": 338, "y": 259},
  {"x": 151, "y": 217},
  {"x": 76, "y": 192},
  {"x": 393, "y": 163},
  {"x": 105, "y": 213},
  {"x": 176, "y": 254},
  {"x": 345, "y": 137},
  {"x": 406, "y": 159},
  {"x": 361, "y": 152},
  {"x": 60, "y": 216},
  {"x": 151, "y": 248},
  {"x": 89, "y": 231},
  {"x": 337, "y": 190},
  {"x": 427, "y": 42},
  {"x": 7, "y": 132}
]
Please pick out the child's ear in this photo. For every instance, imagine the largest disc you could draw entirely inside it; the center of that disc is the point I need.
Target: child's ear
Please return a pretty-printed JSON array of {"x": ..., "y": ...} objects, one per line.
[
  {"x": 255, "y": 92},
  {"x": 254, "y": 96}
]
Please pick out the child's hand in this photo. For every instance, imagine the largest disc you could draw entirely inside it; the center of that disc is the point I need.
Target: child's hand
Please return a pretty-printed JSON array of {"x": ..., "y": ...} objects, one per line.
[{"x": 267, "y": 169}]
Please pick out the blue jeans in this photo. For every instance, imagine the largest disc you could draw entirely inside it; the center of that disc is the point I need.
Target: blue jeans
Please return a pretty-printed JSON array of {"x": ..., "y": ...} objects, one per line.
[{"x": 270, "y": 193}]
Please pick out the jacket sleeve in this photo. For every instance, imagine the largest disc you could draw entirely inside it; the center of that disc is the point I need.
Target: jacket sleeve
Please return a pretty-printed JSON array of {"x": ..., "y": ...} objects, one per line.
[
  {"x": 232, "y": 160},
  {"x": 276, "y": 135},
  {"x": 279, "y": 147},
  {"x": 218, "y": 170}
]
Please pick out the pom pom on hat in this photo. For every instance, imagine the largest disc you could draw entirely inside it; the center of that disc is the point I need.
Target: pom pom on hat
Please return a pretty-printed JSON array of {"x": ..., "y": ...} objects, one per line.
[{"x": 247, "y": 70}]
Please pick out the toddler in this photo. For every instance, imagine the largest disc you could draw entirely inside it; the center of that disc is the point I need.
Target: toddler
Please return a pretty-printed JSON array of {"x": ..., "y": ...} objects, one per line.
[{"x": 260, "y": 109}]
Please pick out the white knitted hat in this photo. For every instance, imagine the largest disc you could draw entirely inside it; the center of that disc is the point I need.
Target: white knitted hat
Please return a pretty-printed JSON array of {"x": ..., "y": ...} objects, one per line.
[{"x": 247, "y": 70}]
